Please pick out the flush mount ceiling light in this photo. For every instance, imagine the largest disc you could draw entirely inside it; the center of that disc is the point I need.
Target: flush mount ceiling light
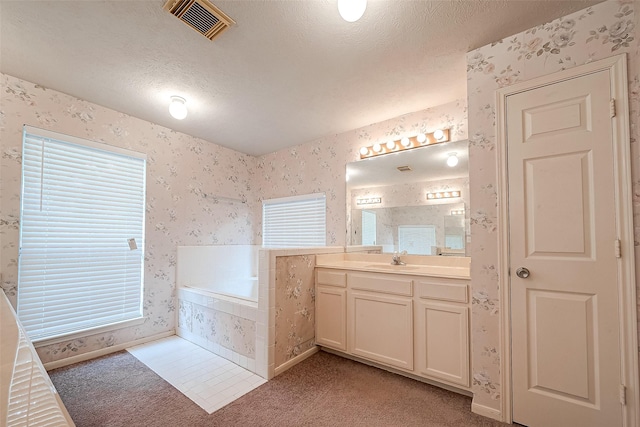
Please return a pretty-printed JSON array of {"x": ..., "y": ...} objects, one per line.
[
  {"x": 178, "y": 107},
  {"x": 452, "y": 160},
  {"x": 351, "y": 10}
]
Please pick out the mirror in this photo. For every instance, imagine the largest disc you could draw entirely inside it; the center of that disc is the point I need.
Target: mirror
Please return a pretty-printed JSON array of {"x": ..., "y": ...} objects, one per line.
[{"x": 388, "y": 207}]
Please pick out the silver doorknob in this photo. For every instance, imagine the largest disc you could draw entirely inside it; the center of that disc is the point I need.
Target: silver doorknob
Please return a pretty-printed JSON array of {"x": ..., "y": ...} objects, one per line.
[{"x": 523, "y": 273}]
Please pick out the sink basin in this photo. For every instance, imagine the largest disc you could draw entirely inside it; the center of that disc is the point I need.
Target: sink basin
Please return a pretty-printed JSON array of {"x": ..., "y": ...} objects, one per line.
[{"x": 391, "y": 267}]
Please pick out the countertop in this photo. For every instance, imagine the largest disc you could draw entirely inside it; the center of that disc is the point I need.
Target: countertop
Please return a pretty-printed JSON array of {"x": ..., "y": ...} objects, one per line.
[{"x": 446, "y": 267}]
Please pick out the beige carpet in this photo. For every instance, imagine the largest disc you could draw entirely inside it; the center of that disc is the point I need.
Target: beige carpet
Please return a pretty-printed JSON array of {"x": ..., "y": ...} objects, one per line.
[{"x": 324, "y": 390}]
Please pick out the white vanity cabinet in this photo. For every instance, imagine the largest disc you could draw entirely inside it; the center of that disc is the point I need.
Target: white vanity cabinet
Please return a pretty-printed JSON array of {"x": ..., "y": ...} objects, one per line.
[
  {"x": 417, "y": 324},
  {"x": 331, "y": 307},
  {"x": 380, "y": 318},
  {"x": 442, "y": 330}
]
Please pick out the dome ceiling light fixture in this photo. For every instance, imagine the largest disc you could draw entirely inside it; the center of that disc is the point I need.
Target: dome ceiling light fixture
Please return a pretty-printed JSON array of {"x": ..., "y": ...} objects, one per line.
[
  {"x": 351, "y": 10},
  {"x": 452, "y": 160},
  {"x": 178, "y": 107}
]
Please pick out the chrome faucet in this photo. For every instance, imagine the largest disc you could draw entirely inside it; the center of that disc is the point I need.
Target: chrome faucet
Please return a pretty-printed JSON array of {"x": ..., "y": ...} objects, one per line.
[{"x": 396, "y": 258}]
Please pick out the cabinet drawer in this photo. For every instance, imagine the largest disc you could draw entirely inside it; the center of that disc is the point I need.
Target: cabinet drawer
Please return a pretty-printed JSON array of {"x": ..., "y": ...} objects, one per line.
[
  {"x": 443, "y": 291},
  {"x": 387, "y": 284},
  {"x": 331, "y": 278}
]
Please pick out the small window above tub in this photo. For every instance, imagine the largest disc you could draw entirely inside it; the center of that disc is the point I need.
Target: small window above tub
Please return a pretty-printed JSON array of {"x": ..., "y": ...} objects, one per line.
[{"x": 298, "y": 221}]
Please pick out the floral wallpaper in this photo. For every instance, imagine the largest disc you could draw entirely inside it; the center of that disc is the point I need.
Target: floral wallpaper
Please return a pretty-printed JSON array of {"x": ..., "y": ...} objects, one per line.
[
  {"x": 185, "y": 175},
  {"x": 187, "y": 182},
  {"x": 319, "y": 166},
  {"x": 233, "y": 332},
  {"x": 598, "y": 32},
  {"x": 295, "y": 306}
]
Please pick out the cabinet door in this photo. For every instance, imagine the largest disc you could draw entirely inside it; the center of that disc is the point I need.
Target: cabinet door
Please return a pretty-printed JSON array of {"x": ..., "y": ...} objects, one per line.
[
  {"x": 381, "y": 328},
  {"x": 331, "y": 317},
  {"x": 442, "y": 340}
]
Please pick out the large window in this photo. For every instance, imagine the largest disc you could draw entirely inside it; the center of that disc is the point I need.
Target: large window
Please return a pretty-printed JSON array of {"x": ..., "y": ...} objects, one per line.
[
  {"x": 81, "y": 235},
  {"x": 298, "y": 221}
]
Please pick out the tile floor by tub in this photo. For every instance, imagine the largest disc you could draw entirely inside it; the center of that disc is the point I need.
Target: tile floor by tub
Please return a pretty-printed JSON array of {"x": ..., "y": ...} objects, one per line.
[{"x": 208, "y": 379}]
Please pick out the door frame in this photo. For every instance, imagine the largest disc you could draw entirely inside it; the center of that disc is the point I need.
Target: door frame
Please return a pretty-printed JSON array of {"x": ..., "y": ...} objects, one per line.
[{"x": 617, "y": 66}]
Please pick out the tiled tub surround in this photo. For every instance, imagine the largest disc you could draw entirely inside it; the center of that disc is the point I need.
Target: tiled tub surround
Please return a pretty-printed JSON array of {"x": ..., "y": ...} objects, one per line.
[
  {"x": 223, "y": 325},
  {"x": 217, "y": 300},
  {"x": 265, "y": 336}
]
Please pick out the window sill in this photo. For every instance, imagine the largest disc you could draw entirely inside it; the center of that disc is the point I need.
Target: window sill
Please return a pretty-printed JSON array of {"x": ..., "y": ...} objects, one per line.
[{"x": 86, "y": 332}]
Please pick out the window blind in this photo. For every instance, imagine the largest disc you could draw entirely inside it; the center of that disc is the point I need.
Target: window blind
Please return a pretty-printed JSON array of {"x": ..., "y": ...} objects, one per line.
[
  {"x": 298, "y": 221},
  {"x": 81, "y": 204},
  {"x": 416, "y": 239}
]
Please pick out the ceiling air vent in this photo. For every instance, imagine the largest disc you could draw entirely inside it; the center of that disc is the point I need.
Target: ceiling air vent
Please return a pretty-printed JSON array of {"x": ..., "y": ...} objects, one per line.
[
  {"x": 201, "y": 15},
  {"x": 404, "y": 168}
]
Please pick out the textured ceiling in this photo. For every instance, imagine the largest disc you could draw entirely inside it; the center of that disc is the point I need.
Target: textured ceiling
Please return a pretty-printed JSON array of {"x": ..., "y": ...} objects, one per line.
[{"x": 289, "y": 72}]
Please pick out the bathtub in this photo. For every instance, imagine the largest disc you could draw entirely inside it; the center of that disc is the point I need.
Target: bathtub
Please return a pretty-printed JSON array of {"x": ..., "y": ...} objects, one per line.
[
  {"x": 217, "y": 290},
  {"x": 243, "y": 289}
]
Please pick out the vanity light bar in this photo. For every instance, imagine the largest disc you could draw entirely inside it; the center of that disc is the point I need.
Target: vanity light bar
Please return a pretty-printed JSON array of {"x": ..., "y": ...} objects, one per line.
[
  {"x": 406, "y": 143},
  {"x": 443, "y": 195},
  {"x": 457, "y": 212},
  {"x": 369, "y": 201}
]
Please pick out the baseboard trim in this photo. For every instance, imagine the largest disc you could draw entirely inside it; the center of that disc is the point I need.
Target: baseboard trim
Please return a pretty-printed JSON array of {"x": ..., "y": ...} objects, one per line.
[
  {"x": 299, "y": 358},
  {"x": 104, "y": 351},
  {"x": 486, "y": 411}
]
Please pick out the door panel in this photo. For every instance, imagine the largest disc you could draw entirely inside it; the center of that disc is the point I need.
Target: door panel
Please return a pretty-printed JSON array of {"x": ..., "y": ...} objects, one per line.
[
  {"x": 566, "y": 366},
  {"x": 381, "y": 328},
  {"x": 558, "y": 203},
  {"x": 442, "y": 340},
  {"x": 331, "y": 317},
  {"x": 556, "y": 118},
  {"x": 571, "y": 340}
]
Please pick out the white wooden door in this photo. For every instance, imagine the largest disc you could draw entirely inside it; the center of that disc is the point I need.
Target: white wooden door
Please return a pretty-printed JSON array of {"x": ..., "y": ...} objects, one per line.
[{"x": 566, "y": 356}]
